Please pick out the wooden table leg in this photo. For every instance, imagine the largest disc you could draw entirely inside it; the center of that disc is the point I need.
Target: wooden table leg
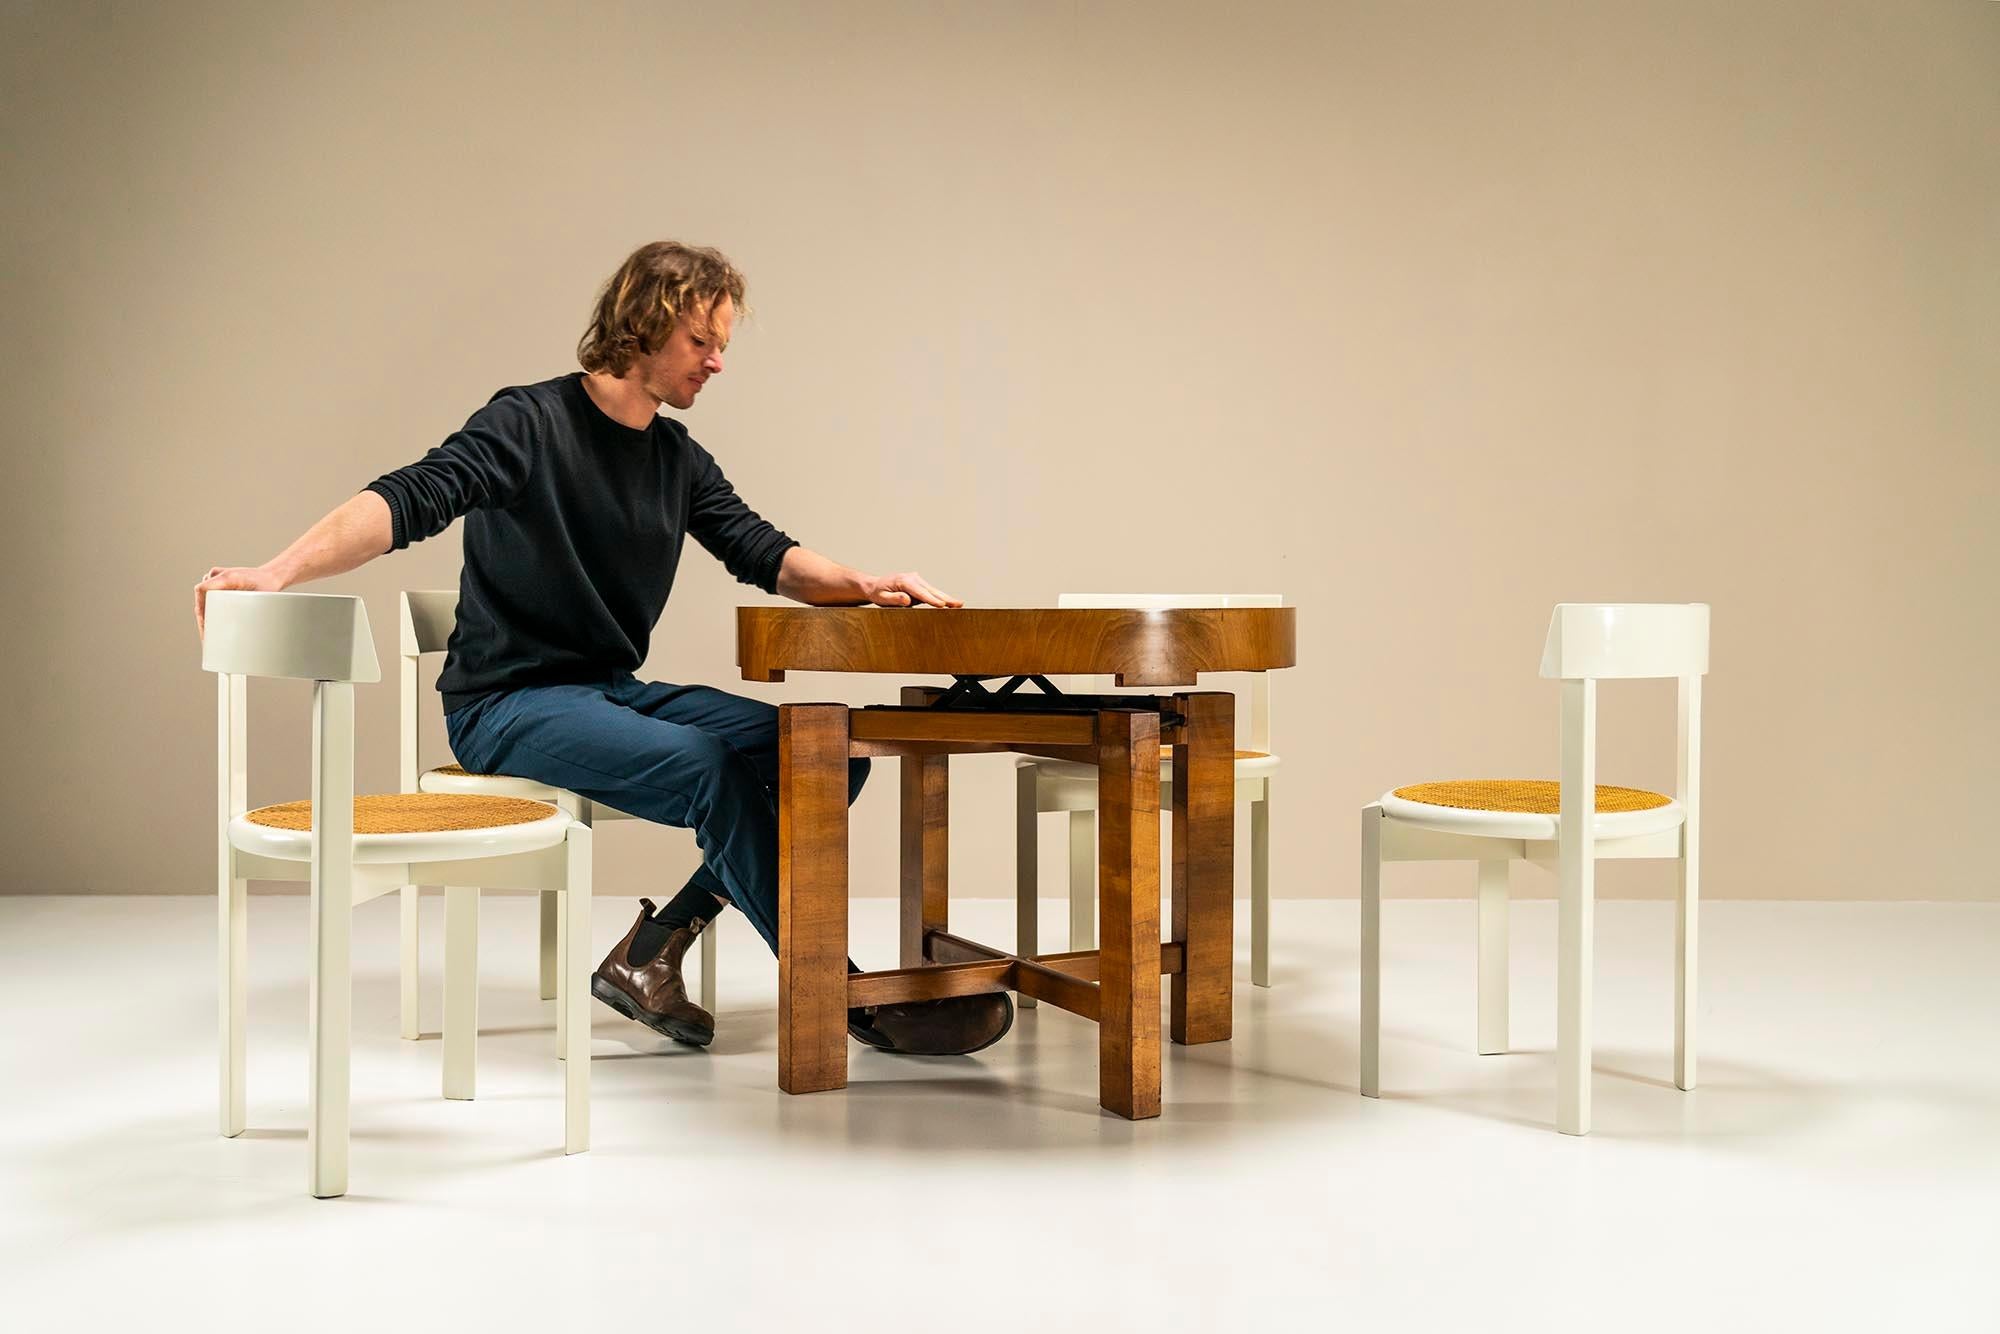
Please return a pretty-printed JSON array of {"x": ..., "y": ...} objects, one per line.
[
  {"x": 925, "y": 834},
  {"x": 1204, "y": 911},
  {"x": 812, "y": 897},
  {"x": 1128, "y": 880}
]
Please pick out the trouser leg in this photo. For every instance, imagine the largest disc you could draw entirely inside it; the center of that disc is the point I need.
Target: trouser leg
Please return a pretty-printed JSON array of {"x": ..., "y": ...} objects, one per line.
[{"x": 688, "y": 756}]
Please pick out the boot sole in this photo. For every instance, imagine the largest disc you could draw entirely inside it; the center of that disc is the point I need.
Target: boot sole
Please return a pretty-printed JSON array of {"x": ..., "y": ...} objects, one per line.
[{"x": 685, "y": 1034}]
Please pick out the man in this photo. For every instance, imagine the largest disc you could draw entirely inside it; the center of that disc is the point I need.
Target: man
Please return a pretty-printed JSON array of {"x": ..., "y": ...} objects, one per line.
[{"x": 577, "y": 496}]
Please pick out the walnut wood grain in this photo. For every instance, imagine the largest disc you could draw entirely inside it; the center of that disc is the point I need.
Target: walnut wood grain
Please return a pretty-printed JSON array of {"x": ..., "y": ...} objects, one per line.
[
  {"x": 951, "y": 726},
  {"x": 944, "y": 947},
  {"x": 812, "y": 897},
  {"x": 1083, "y": 964},
  {"x": 926, "y": 852},
  {"x": 1204, "y": 891},
  {"x": 1128, "y": 878},
  {"x": 1062, "y": 990},
  {"x": 1138, "y": 648},
  {"x": 896, "y": 749},
  {"x": 931, "y": 982}
]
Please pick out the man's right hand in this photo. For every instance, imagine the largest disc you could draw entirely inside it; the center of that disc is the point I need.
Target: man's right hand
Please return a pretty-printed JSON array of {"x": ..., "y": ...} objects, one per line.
[{"x": 255, "y": 579}]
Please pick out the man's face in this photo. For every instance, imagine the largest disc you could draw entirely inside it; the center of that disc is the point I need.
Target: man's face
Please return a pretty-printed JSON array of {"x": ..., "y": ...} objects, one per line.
[{"x": 676, "y": 373}]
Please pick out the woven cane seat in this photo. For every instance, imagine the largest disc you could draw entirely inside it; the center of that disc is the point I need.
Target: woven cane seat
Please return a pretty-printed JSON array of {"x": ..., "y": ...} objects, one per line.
[
  {"x": 409, "y": 826},
  {"x": 1526, "y": 808},
  {"x": 410, "y": 813}
]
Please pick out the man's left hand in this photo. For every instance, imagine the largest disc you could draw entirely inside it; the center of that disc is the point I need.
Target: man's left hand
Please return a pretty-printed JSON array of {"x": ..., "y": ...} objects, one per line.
[{"x": 907, "y": 590}]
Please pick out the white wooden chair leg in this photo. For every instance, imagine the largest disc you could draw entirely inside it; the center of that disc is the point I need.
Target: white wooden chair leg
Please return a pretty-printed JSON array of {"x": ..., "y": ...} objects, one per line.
[
  {"x": 551, "y": 942},
  {"x": 330, "y": 1010},
  {"x": 1260, "y": 890},
  {"x": 575, "y": 992},
  {"x": 1371, "y": 952},
  {"x": 557, "y": 939},
  {"x": 232, "y": 921},
  {"x": 1083, "y": 880},
  {"x": 1686, "y": 920},
  {"x": 232, "y": 904},
  {"x": 1576, "y": 907},
  {"x": 409, "y": 956},
  {"x": 708, "y": 964},
  {"x": 407, "y": 966},
  {"x": 1027, "y": 874},
  {"x": 1687, "y": 899},
  {"x": 461, "y": 990},
  {"x": 1492, "y": 957},
  {"x": 330, "y": 993}
]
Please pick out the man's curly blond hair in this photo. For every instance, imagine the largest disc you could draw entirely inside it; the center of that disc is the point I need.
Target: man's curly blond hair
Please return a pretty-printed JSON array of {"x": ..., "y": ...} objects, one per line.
[{"x": 656, "y": 287}]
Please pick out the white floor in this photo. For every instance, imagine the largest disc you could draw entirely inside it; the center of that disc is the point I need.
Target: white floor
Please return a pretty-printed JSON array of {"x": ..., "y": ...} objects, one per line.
[{"x": 1838, "y": 1168}]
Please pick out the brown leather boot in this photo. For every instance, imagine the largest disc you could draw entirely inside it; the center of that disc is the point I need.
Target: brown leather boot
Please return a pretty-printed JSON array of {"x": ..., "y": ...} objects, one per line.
[
  {"x": 650, "y": 990},
  {"x": 954, "y": 1026}
]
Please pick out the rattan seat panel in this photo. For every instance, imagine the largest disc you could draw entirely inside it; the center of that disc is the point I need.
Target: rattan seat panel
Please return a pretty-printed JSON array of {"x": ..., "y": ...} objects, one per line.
[
  {"x": 1525, "y": 796},
  {"x": 413, "y": 813}
]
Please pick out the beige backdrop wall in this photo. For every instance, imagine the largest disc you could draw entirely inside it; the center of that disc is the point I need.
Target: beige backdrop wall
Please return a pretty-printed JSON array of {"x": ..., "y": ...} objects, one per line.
[{"x": 1427, "y": 316}]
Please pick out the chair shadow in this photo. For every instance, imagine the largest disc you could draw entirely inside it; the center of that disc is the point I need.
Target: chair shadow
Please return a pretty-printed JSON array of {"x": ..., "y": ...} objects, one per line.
[{"x": 1759, "y": 1102}]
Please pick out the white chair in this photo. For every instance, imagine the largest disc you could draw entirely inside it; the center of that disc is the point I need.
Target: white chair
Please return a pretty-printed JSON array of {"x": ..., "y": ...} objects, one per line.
[
  {"x": 1043, "y": 785},
  {"x": 355, "y": 848},
  {"x": 428, "y": 617},
  {"x": 1495, "y": 823}
]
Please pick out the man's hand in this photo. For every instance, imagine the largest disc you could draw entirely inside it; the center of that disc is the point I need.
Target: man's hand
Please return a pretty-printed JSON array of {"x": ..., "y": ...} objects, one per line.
[
  {"x": 255, "y": 579},
  {"x": 905, "y": 590},
  {"x": 808, "y": 577}
]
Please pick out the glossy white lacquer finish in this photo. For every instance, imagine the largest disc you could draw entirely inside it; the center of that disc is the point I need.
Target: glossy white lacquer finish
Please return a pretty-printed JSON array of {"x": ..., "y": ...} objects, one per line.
[
  {"x": 329, "y": 980},
  {"x": 488, "y": 785},
  {"x": 1062, "y": 785},
  {"x": 283, "y": 634},
  {"x": 1585, "y": 642},
  {"x": 461, "y": 991},
  {"x": 302, "y": 636},
  {"x": 1607, "y": 641},
  {"x": 232, "y": 899}
]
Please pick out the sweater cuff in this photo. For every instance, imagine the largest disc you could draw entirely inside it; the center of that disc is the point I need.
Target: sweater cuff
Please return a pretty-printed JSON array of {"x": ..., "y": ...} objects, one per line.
[
  {"x": 399, "y": 530},
  {"x": 767, "y": 577}
]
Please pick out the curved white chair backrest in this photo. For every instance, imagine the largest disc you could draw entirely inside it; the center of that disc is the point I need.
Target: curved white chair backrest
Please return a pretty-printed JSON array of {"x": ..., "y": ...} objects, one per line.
[
  {"x": 1597, "y": 641},
  {"x": 429, "y": 615},
  {"x": 1259, "y": 737},
  {"x": 304, "y": 636}
]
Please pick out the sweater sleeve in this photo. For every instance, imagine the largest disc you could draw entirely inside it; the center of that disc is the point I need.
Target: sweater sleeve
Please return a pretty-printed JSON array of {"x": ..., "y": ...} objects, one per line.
[
  {"x": 748, "y": 546},
  {"x": 483, "y": 465}
]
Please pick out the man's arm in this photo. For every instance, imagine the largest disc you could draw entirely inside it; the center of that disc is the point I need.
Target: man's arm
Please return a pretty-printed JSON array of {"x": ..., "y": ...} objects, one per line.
[
  {"x": 806, "y": 576},
  {"x": 484, "y": 463},
  {"x": 349, "y": 537}
]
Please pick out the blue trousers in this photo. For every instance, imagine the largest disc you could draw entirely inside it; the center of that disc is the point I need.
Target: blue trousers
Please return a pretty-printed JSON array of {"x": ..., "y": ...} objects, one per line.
[{"x": 689, "y": 756}]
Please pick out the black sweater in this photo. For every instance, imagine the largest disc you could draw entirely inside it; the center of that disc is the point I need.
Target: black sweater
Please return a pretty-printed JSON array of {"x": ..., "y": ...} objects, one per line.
[{"x": 573, "y": 529}]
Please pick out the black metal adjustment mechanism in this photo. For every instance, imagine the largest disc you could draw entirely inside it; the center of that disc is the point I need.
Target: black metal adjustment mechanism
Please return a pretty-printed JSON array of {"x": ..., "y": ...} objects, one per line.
[{"x": 969, "y": 693}]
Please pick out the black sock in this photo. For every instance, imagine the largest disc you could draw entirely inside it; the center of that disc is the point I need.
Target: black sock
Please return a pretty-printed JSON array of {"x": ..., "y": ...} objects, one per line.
[{"x": 691, "y": 903}]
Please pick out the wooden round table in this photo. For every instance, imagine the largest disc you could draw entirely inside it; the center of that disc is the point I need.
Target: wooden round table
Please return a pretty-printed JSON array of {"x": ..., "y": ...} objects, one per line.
[{"x": 1117, "y": 985}]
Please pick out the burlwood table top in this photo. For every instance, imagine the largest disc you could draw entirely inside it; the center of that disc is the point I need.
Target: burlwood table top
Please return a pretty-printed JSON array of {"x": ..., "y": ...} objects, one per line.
[{"x": 1140, "y": 648}]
